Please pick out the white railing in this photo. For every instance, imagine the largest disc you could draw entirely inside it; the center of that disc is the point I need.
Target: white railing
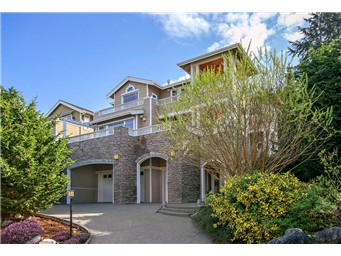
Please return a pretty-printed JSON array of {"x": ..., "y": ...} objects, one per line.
[
  {"x": 148, "y": 130},
  {"x": 92, "y": 135},
  {"x": 120, "y": 107},
  {"x": 168, "y": 100},
  {"x": 137, "y": 132}
]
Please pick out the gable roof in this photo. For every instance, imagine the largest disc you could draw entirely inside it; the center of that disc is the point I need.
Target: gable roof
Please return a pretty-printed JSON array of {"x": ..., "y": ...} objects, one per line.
[
  {"x": 132, "y": 79},
  {"x": 185, "y": 64},
  {"x": 69, "y": 105}
]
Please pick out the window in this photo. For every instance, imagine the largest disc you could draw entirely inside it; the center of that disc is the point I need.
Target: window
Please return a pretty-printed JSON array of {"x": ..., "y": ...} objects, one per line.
[
  {"x": 130, "y": 88},
  {"x": 154, "y": 96},
  {"x": 86, "y": 119},
  {"x": 67, "y": 118},
  {"x": 130, "y": 96},
  {"x": 128, "y": 123}
]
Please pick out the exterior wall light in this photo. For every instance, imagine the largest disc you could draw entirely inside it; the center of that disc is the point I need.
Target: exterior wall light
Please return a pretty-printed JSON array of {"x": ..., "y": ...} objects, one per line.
[
  {"x": 116, "y": 157},
  {"x": 144, "y": 119},
  {"x": 172, "y": 153}
]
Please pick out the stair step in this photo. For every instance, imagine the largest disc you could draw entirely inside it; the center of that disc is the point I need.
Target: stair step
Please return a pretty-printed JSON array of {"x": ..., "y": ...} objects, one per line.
[
  {"x": 184, "y": 210},
  {"x": 182, "y": 207},
  {"x": 172, "y": 213}
]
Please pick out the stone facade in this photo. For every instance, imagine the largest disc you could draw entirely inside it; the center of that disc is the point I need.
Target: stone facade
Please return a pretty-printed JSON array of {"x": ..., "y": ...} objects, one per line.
[{"x": 183, "y": 180}]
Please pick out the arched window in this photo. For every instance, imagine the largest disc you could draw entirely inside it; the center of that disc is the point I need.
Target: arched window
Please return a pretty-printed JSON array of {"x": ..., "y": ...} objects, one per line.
[{"x": 130, "y": 88}]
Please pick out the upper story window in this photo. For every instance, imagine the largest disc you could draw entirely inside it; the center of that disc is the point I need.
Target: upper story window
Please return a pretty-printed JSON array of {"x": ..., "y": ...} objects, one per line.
[
  {"x": 130, "y": 88},
  {"x": 131, "y": 94},
  {"x": 68, "y": 118}
]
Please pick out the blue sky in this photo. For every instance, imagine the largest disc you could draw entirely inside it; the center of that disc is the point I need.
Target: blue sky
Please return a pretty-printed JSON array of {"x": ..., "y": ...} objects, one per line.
[{"x": 80, "y": 57}]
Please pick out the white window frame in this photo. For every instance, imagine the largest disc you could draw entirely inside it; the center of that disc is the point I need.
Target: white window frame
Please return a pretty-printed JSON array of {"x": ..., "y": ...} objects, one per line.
[
  {"x": 106, "y": 126},
  {"x": 154, "y": 96},
  {"x": 130, "y": 86},
  {"x": 131, "y": 92}
]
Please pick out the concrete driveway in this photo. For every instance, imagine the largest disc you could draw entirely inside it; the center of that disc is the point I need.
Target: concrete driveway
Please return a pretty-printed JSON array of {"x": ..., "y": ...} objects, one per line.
[{"x": 131, "y": 224}]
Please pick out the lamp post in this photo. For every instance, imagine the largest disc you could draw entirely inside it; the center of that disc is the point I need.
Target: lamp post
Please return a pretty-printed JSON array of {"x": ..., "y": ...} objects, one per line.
[{"x": 71, "y": 194}]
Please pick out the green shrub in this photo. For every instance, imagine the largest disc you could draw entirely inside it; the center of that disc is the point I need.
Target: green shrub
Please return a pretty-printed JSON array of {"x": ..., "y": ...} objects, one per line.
[{"x": 258, "y": 207}]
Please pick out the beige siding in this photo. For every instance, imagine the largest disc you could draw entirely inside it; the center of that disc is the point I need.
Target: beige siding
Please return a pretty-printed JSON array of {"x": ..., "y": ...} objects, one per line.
[
  {"x": 72, "y": 129},
  {"x": 155, "y": 90},
  {"x": 63, "y": 110},
  {"x": 141, "y": 87},
  {"x": 165, "y": 93}
]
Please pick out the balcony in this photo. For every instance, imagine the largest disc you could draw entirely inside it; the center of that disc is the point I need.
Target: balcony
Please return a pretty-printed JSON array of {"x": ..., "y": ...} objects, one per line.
[
  {"x": 91, "y": 135},
  {"x": 117, "y": 111},
  {"x": 132, "y": 132}
]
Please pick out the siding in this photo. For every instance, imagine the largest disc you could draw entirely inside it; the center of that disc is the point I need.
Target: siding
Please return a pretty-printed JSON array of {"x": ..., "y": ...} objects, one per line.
[{"x": 141, "y": 87}]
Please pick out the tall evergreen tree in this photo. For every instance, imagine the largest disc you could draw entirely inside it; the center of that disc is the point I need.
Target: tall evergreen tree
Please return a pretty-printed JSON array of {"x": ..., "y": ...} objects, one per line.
[
  {"x": 323, "y": 69},
  {"x": 32, "y": 160},
  {"x": 322, "y": 28}
]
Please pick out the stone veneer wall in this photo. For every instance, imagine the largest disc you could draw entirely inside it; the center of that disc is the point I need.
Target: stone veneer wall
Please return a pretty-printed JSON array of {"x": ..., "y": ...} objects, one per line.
[{"x": 183, "y": 180}]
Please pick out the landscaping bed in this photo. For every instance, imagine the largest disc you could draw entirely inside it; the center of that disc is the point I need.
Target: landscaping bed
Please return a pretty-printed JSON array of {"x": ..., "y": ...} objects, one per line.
[{"x": 16, "y": 231}]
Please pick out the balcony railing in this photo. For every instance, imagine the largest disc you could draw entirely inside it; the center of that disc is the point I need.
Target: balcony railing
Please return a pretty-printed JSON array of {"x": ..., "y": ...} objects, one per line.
[
  {"x": 167, "y": 101},
  {"x": 92, "y": 135},
  {"x": 121, "y": 107},
  {"x": 136, "y": 132},
  {"x": 148, "y": 130}
]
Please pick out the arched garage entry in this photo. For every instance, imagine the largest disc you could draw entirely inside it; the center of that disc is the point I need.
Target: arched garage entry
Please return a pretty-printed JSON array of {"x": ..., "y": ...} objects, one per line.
[
  {"x": 152, "y": 181},
  {"x": 92, "y": 181}
]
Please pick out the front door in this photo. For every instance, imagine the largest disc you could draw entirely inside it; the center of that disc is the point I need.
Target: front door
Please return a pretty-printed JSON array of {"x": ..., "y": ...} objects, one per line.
[{"x": 105, "y": 187}]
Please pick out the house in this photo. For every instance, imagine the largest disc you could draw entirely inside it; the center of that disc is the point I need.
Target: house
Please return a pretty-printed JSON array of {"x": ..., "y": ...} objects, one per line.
[
  {"x": 72, "y": 119},
  {"x": 122, "y": 160}
]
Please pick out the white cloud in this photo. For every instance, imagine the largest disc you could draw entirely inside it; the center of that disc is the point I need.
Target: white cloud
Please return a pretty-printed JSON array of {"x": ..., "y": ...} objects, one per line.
[
  {"x": 230, "y": 28},
  {"x": 290, "y": 23},
  {"x": 293, "y": 36},
  {"x": 244, "y": 28},
  {"x": 291, "y": 19},
  {"x": 184, "y": 24}
]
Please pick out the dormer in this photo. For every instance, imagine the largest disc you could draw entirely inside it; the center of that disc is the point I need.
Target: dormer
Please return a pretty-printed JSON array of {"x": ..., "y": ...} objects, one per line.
[
  {"x": 132, "y": 89},
  {"x": 212, "y": 59}
]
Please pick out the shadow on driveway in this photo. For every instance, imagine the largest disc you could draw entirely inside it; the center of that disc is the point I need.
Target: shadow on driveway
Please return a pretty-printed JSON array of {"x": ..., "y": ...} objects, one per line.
[{"x": 131, "y": 224}]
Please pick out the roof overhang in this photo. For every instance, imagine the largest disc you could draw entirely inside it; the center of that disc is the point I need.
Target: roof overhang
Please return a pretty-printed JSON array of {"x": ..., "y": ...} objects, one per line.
[
  {"x": 61, "y": 102},
  {"x": 185, "y": 65},
  {"x": 132, "y": 79}
]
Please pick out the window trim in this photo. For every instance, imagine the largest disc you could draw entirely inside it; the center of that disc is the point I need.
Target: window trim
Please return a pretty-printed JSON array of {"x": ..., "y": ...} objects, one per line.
[{"x": 131, "y": 92}]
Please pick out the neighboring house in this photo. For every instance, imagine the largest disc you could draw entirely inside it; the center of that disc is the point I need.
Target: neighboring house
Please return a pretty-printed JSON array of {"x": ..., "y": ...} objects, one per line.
[
  {"x": 72, "y": 120},
  {"x": 123, "y": 159}
]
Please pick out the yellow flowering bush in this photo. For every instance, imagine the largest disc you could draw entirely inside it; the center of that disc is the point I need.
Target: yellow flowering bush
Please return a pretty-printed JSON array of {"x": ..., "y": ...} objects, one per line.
[{"x": 250, "y": 205}]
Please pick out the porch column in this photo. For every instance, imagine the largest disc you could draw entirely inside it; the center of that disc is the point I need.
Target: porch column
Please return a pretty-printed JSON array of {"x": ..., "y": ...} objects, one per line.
[
  {"x": 166, "y": 182},
  {"x": 68, "y": 172},
  {"x": 202, "y": 183},
  {"x": 113, "y": 182},
  {"x": 138, "y": 183}
]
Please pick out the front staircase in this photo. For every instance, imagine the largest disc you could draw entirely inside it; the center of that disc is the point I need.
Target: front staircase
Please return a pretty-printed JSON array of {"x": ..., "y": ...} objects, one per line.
[{"x": 181, "y": 210}]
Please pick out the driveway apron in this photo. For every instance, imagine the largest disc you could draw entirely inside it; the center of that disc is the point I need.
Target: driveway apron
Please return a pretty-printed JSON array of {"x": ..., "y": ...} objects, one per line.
[{"x": 131, "y": 224}]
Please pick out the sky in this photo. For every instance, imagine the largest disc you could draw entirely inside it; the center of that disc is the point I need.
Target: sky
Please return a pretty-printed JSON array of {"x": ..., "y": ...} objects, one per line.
[{"x": 80, "y": 57}]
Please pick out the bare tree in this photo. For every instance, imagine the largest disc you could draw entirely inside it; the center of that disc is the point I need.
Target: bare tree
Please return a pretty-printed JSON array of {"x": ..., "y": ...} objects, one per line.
[{"x": 253, "y": 115}]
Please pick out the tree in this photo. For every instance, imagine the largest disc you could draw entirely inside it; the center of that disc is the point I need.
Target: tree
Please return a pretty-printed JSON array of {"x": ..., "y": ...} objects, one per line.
[
  {"x": 32, "y": 160},
  {"x": 322, "y": 28},
  {"x": 253, "y": 115},
  {"x": 323, "y": 68}
]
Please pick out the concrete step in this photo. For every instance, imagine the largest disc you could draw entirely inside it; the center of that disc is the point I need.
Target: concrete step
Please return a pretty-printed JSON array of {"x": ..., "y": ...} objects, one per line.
[
  {"x": 178, "y": 210},
  {"x": 179, "y": 207},
  {"x": 174, "y": 213}
]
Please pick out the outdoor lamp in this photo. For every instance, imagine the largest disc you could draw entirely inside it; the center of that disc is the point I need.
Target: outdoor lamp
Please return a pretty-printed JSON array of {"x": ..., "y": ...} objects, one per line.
[
  {"x": 71, "y": 194},
  {"x": 172, "y": 153},
  {"x": 116, "y": 156}
]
